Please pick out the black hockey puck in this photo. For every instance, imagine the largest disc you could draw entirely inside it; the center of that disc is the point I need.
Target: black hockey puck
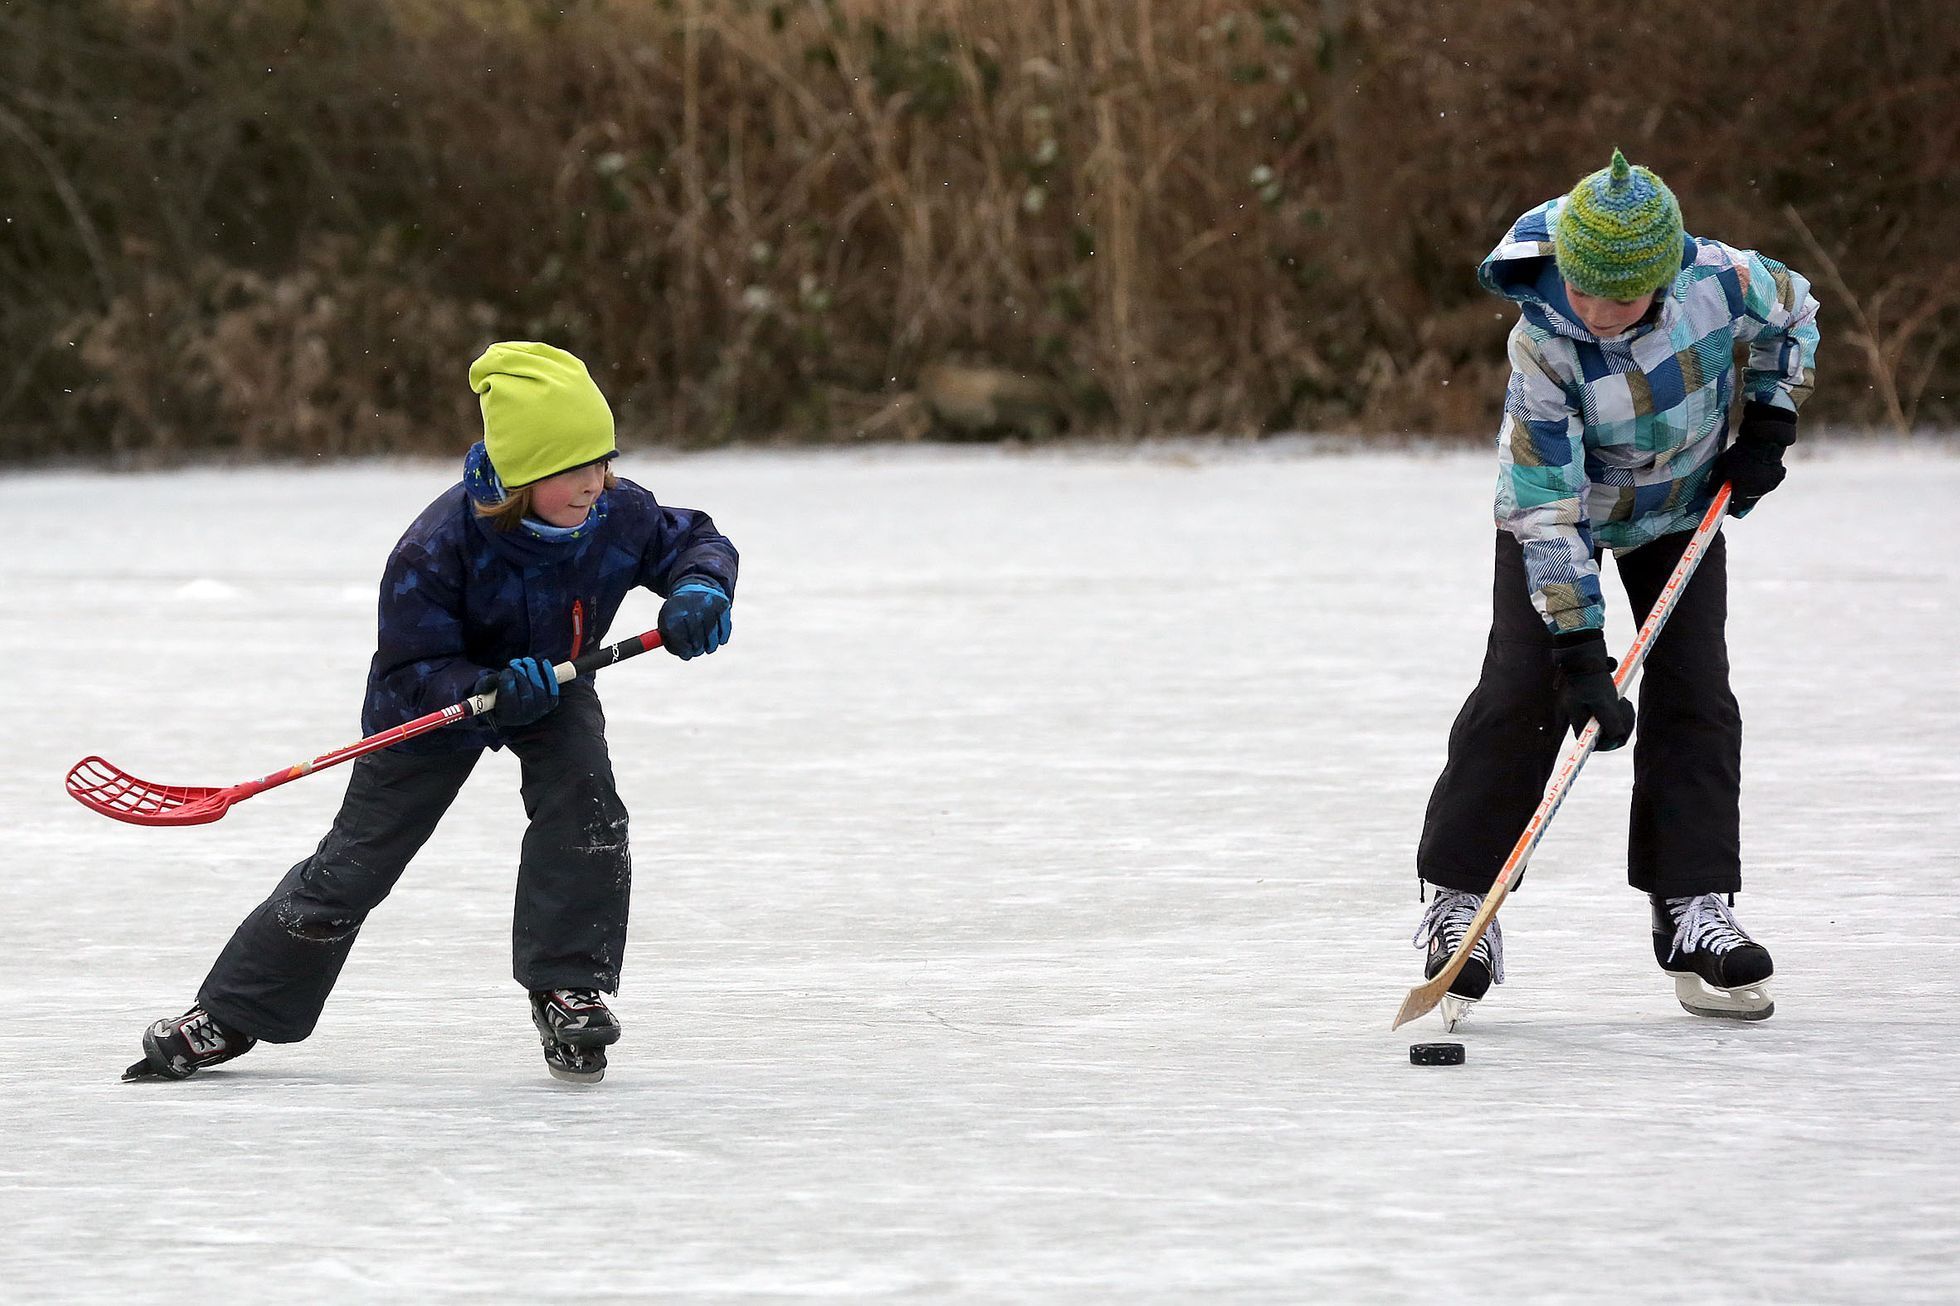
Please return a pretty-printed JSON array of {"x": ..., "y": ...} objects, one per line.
[{"x": 1435, "y": 1054}]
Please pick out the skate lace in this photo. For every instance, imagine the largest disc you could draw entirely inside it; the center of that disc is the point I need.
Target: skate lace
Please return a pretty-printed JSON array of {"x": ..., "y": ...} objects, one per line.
[
  {"x": 197, "y": 1018},
  {"x": 578, "y": 997},
  {"x": 1705, "y": 922},
  {"x": 203, "y": 1034},
  {"x": 1449, "y": 915}
]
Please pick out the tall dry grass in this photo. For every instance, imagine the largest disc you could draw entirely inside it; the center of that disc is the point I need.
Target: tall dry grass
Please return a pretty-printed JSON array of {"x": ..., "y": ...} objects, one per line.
[{"x": 285, "y": 226}]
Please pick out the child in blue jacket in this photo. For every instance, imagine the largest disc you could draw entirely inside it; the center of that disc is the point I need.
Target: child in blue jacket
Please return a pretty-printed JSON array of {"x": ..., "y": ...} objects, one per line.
[
  {"x": 1615, "y": 437},
  {"x": 521, "y": 565}
]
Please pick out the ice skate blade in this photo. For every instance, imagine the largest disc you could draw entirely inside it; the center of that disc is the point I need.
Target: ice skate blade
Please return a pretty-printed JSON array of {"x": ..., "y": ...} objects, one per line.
[
  {"x": 141, "y": 1070},
  {"x": 1751, "y": 1002},
  {"x": 1454, "y": 1008},
  {"x": 575, "y": 1065}
]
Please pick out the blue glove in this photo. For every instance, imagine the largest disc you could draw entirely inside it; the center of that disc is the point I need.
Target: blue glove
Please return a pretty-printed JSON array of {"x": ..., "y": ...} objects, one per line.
[
  {"x": 694, "y": 620},
  {"x": 526, "y": 690}
]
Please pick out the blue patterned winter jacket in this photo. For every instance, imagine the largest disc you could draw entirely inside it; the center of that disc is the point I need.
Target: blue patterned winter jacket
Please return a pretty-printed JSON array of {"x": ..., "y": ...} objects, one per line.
[
  {"x": 1610, "y": 442},
  {"x": 460, "y": 597}
]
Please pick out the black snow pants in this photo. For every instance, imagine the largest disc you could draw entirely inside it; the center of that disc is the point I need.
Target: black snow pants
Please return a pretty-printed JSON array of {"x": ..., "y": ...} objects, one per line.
[
  {"x": 573, "y": 877},
  {"x": 1684, "y": 836}
]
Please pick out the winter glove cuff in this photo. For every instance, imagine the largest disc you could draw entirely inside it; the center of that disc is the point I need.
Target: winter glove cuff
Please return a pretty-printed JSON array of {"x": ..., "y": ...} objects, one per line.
[
  {"x": 1753, "y": 464},
  {"x": 1768, "y": 424},
  {"x": 1579, "y": 651}
]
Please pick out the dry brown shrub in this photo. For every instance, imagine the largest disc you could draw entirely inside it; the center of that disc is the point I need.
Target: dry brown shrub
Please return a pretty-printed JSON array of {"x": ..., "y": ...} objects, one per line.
[{"x": 285, "y": 227}]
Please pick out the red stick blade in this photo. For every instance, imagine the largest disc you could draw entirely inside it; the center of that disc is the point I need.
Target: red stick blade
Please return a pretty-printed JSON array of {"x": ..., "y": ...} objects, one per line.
[{"x": 106, "y": 788}]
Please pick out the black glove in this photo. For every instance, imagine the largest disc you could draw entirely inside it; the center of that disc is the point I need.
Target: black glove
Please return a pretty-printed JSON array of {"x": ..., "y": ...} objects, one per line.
[
  {"x": 694, "y": 620},
  {"x": 526, "y": 690},
  {"x": 1586, "y": 690},
  {"x": 1753, "y": 465}
]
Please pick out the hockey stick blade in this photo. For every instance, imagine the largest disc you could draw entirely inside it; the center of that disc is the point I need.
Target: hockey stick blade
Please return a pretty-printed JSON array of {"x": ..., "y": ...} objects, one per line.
[
  {"x": 1424, "y": 997},
  {"x": 106, "y": 788}
]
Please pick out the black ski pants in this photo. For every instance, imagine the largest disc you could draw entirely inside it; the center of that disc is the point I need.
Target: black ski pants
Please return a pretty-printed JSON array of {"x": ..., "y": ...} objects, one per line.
[
  {"x": 1684, "y": 835},
  {"x": 573, "y": 876}
]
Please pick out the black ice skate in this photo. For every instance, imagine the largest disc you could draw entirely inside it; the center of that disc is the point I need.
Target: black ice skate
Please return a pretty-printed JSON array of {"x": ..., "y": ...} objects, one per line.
[
  {"x": 1717, "y": 969},
  {"x": 1442, "y": 929},
  {"x": 575, "y": 1027},
  {"x": 178, "y": 1048}
]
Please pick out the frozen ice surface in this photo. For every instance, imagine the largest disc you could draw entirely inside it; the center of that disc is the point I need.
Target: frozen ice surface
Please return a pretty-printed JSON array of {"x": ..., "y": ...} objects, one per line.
[{"x": 1024, "y": 896}]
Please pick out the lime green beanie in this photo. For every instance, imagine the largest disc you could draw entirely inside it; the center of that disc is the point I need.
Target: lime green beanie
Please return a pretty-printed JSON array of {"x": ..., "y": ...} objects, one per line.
[
  {"x": 1618, "y": 234},
  {"x": 541, "y": 412}
]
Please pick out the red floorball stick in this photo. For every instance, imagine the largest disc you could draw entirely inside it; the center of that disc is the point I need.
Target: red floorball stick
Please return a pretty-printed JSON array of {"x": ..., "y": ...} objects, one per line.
[
  {"x": 1424, "y": 997},
  {"x": 114, "y": 792}
]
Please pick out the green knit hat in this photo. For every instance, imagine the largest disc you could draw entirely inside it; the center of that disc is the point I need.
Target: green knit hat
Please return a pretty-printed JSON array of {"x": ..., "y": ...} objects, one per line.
[
  {"x": 1618, "y": 234},
  {"x": 541, "y": 412}
]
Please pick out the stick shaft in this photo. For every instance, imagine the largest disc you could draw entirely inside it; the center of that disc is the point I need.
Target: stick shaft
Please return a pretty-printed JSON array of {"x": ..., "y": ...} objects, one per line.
[
  {"x": 475, "y": 705},
  {"x": 1424, "y": 997}
]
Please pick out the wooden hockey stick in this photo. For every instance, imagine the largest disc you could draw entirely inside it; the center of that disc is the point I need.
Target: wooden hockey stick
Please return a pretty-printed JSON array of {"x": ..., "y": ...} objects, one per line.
[{"x": 1423, "y": 998}]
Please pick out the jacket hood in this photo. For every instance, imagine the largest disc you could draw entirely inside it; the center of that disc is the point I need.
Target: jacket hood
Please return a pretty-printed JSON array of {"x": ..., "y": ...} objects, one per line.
[{"x": 1524, "y": 269}]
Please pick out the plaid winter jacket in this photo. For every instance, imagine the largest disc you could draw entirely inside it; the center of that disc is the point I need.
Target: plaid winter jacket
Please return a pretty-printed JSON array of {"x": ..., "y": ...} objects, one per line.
[
  {"x": 460, "y": 597},
  {"x": 1609, "y": 443}
]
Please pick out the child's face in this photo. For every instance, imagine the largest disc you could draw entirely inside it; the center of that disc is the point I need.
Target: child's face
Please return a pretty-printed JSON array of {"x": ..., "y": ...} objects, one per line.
[
  {"x": 565, "y": 499},
  {"x": 1607, "y": 317}
]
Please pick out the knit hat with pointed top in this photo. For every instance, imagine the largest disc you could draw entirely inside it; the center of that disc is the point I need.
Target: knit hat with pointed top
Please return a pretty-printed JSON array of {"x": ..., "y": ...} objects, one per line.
[{"x": 1618, "y": 234}]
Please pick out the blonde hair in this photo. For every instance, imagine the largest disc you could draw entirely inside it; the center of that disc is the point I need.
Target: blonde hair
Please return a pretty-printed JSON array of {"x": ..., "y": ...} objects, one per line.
[{"x": 506, "y": 516}]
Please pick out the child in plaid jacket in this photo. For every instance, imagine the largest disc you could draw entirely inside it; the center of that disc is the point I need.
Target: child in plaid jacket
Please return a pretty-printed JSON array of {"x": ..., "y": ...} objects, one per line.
[{"x": 1615, "y": 437}]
